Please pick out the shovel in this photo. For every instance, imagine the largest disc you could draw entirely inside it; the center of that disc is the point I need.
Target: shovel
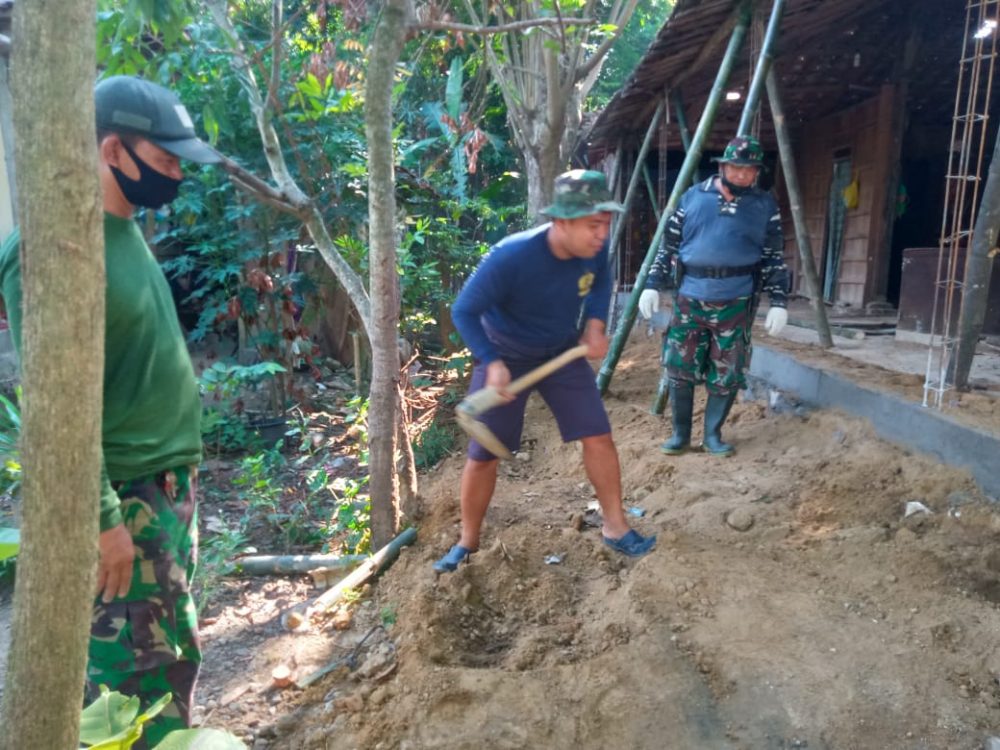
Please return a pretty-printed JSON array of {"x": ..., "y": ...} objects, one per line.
[{"x": 474, "y": 405}]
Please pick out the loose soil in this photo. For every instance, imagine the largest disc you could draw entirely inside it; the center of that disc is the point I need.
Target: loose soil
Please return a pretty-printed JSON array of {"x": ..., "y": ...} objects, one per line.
[{"x": 830, "y": 621}]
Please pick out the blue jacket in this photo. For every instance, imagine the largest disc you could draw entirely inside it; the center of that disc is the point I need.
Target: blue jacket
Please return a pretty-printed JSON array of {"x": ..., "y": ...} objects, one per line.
[
  {"x": 523, "y": 297},
  {"x": 707, "y": 230}
]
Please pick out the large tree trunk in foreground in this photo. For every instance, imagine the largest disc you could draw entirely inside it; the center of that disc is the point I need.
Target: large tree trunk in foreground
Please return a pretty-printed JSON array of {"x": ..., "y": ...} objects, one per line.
[
  {"x": 62, "y": 252},
  {"x": 383, "y": 286}
]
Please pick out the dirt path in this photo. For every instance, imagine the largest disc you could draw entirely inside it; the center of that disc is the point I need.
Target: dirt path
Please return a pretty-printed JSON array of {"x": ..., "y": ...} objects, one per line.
[{"x": 830, "y": 623}]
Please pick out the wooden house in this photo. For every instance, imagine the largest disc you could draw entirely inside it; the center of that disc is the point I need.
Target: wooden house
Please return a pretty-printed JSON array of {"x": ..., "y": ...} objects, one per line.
[{"x": 871, "y": 90}]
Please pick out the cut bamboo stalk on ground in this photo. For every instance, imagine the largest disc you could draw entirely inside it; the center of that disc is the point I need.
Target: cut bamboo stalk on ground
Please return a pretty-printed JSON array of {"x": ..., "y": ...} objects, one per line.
[
  {"x": 268, "y": 565},
  {"x": 377, "y": 563}
]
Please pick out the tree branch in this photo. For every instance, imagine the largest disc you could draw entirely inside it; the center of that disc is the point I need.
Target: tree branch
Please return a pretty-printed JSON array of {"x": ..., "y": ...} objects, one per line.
[
  {"x": 503, "y": 28},
  {"x": 289, "y": 191},
  {"x": 514, "y": 110},
  {"x": 272, "y": 89},
  {"x": 605, "y": 47},
  {"x": 256, "y": 187}
]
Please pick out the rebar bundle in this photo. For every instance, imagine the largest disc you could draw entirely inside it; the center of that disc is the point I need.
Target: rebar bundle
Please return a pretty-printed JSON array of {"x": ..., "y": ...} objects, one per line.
[{"x": 962, "y": 186}]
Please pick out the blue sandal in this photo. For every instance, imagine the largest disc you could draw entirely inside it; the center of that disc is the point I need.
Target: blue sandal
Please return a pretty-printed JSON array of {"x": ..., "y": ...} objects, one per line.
[
  {"x": 632, "y": 544},
  {"x": 455, "y": 557}
]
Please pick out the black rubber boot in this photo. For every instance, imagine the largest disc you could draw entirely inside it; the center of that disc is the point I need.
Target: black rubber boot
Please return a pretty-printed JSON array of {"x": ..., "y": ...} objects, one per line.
[
  {"x": 716, "y": 410},
  {"x": 681, "y": 406}
]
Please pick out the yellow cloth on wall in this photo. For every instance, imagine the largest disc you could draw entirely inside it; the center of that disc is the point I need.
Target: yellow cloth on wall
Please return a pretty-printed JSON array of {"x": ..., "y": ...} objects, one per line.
[{"x": 850, "y": 194}]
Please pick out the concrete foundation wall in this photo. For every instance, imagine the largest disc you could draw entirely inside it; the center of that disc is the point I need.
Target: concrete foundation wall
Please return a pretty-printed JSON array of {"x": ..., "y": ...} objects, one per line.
[{"x": 902, "y": 422}]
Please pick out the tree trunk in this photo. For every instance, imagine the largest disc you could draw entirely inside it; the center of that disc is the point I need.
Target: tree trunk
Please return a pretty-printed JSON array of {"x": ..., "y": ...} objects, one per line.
[
  {"x": 62, "y": 253},
  {"x": 543, "y": 77},
  {"x": 978, "y": 269},
  {"x": 7, "y": 129},
  {"x": 383, "y": 483}
]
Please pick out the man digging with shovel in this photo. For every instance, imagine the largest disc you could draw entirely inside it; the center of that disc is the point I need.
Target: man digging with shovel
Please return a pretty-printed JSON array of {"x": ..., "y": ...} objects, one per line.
[{"x": 521, "y": 308}]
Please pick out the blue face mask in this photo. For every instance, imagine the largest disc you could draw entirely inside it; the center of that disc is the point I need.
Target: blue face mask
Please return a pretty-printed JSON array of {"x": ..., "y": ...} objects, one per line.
[{"x": 152, "y": 190}]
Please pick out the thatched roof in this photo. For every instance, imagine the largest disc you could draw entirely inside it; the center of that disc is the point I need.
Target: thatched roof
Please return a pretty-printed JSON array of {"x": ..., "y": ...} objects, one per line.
[{"x": 830, "y": 55}]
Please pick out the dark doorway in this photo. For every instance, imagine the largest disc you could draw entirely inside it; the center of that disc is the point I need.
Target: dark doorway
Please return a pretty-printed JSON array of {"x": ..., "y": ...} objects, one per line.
[{"x": 919, "y": 203}]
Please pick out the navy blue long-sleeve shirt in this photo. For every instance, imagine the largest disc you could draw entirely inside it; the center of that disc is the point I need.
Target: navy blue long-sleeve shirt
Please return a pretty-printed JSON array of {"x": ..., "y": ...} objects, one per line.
[{"x": 524, "y": 293}]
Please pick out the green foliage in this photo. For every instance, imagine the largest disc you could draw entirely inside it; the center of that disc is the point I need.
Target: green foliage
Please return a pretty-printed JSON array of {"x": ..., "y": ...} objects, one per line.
[
  {"x": 10, "y": 543},
  {"x": 113, "y": 722},
  {"x": 215, "y": 559},
  {"x": 200, "y": 739},
  {"x": 357, "y": 416},
  {"x": 349, "y": 524},
  {"x": 258, "y": 483},
  {"x": 388, "y": 616},
  {"x": 434, "y": 444},
  {"x": 10, "y": 442},
  {"x": 625, "y": 54},
  {"x": 224, "y": 423}
]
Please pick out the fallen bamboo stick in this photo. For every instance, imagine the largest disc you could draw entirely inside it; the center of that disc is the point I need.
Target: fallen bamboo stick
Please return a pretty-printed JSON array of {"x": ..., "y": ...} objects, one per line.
[
  {"x": 265, "y": 565},
  {"x": 378, "y": 562}
]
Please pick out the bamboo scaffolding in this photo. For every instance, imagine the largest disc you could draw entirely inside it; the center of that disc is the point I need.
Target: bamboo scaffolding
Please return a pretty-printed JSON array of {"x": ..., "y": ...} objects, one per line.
[
  {"x": 796, "y": 206},
  {"x": 760, "y": 72}
]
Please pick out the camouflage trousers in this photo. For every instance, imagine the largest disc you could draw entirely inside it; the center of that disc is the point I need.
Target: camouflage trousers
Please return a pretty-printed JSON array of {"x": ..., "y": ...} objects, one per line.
[
  {"x": 709, "y": 342},
  {"x": 146, "y": 643}
]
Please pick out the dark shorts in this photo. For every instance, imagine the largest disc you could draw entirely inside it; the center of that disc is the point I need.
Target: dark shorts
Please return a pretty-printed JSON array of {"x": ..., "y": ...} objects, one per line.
[{"x": 570, "y": 392}]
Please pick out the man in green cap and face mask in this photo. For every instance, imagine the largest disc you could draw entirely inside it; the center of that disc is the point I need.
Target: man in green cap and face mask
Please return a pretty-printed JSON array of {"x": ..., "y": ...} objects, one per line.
[
  {"x": 724, "y": 245},
  {"x": 522, "y": 307},
  {"x": 144, "y": 632}
]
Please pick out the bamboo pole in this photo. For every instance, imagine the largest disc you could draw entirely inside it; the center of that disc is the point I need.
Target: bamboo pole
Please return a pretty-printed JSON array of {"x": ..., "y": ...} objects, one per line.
[
  {"x": 651, "y": 189},
  {"x": 262, "y": 565},
  {"x": 682, "y": 122},
  {"x": 680, "y": 185},
  {"x": 975, "y": 291},
  {"x": 375, "y": 565},
  {"x": 663, "y": 385},
  {"x": 760, "y": 72},
  {"x": 633, "y": 183},
  {"x": 798, "y": 214}
]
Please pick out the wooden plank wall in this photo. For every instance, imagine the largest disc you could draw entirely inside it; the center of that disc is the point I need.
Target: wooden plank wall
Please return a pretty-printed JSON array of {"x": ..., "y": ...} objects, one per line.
[{"x": 862, "y": 130}]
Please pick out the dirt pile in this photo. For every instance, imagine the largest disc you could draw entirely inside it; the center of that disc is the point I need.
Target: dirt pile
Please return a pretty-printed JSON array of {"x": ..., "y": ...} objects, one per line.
[{"x": 829, "y": 621}]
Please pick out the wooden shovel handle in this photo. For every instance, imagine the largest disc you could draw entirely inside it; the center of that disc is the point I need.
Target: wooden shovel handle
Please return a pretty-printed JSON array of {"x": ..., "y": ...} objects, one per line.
[{"x": 530, "y": 378}]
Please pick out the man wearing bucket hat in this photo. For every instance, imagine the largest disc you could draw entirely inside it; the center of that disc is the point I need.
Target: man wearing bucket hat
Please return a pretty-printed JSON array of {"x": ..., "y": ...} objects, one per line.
[
  {"x": 523, "y": 306},
  {"x": 144, "y": 635},
  {"x": 724, "y": 245}
]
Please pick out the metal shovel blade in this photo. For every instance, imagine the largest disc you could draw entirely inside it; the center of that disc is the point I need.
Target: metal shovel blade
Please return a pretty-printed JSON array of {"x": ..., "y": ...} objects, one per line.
[{"x": 481, "y": 434}]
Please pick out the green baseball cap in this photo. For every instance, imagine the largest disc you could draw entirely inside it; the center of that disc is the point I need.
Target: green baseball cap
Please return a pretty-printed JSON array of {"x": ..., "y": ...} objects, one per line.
[
  {"x": 581, "y": 192},
  {"x": 127, "y": 104},
  {"x": 742, "y": 151}
]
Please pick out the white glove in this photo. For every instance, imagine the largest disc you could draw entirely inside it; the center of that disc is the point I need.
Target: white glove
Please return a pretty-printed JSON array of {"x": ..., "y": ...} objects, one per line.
[
  {"x": 649, "y": 303},
  {"x": 775, "y": 321}
]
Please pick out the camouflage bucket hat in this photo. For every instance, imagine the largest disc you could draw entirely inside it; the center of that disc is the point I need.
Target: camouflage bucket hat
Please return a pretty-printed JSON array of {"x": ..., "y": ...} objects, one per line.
[
  {"x": 743, "y": 151},
  {"x": 580, "y": 192}
]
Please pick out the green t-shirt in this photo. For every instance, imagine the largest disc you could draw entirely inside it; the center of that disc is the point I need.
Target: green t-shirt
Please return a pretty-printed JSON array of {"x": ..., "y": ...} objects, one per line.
[{"x": 152, "y": 410}]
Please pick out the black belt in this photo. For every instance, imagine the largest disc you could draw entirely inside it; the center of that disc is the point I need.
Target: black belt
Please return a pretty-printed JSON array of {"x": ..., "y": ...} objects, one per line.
[{"x": 719, "y": 272}]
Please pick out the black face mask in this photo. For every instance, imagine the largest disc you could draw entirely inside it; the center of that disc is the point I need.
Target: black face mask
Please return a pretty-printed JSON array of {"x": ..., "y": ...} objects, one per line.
[
  {"x": 151, "y": 190},
  {"x": 735, "y": 189}
]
